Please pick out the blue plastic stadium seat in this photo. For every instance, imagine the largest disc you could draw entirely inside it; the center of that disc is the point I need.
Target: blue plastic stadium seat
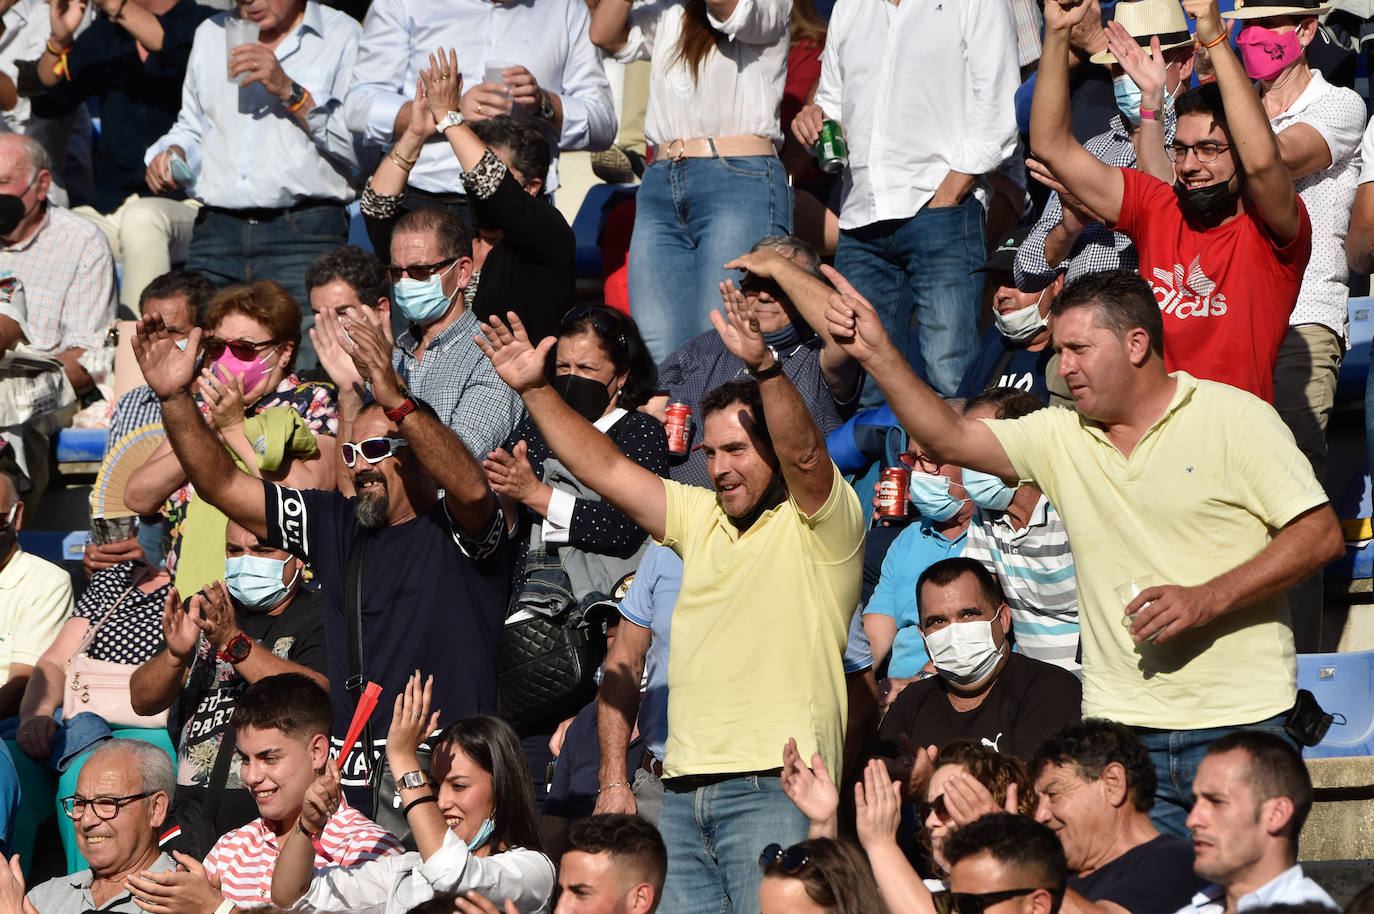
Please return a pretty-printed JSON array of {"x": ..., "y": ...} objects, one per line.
[
  {"x": 78, "y": 445},
  {"x": 591, "y": 216},
  {"x": 1344, "y": 686},
  {"x": 1355, "y": 364},
  {"x": 357, "y": 228}
]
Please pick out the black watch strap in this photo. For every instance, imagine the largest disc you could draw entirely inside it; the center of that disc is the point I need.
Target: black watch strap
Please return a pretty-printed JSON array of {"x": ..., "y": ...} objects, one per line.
[{"x": 772, "y": 371}]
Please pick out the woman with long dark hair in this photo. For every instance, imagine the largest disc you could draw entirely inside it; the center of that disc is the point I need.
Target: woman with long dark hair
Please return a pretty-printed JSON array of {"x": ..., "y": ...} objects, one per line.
[{"x": 716, "y": 184}]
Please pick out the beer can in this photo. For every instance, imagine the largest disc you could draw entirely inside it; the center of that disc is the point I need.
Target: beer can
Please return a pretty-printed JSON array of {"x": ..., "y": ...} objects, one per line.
[
  {"x": 892, "y": 491},
  {"x": 679, "y": 427},
  {"x": 831, "y": 151}
]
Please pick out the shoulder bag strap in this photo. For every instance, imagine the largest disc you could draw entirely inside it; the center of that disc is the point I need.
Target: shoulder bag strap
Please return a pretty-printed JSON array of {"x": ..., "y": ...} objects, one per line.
[
  {"x": 353, "y": 610},
  {"x": 92, "y": 630}
]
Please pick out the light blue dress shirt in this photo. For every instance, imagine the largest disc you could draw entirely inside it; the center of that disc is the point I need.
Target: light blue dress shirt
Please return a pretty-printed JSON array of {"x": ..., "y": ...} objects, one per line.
[
  {"x": 1289, "y": 887},
  {"x": 247, "y": 150},
  {"x": 546, "y": 37}
]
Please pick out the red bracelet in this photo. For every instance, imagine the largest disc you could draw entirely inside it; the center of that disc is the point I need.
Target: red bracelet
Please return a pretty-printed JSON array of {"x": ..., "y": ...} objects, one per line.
[{"x": 1215, "y": 41}]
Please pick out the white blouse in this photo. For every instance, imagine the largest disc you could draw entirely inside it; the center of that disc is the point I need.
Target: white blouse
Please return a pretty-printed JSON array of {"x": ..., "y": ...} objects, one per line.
[
  {"x": 739, "y": 89},
  {"x": 395, "y": 884}
]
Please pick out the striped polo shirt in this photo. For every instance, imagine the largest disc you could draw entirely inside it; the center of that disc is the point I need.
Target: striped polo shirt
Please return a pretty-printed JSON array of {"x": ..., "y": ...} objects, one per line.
[
  {"x": 243, "y": 860},
  {"x": 1035, "y": 568}
]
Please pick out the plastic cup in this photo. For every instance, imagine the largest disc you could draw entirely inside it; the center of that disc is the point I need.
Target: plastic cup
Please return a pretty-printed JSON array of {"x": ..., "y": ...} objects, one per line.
[
  {"x": 238, "y": 32},
  {"x": 1129, "y": 591},
  {"x": 492, "y": 72}
]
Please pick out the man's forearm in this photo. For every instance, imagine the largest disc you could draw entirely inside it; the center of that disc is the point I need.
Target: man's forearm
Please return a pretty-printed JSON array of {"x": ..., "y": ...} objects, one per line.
[
  {"x": 589, "y": 455},
  {"x": 1297, "y": 551},
  {"x": 447, "y": 459},
  {"x": 617, "y": 708},
  {"x": 155, "y": 684},
  {"x": 791, "y": 427},
  {"x": 919, "y": 410},
  {"x": 76, "y": 373},
  {"x": 1059, "y": 244}
]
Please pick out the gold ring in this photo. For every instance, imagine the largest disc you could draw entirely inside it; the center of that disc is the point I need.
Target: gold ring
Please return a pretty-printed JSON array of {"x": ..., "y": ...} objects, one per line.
[{"x": 479, "y": 107}]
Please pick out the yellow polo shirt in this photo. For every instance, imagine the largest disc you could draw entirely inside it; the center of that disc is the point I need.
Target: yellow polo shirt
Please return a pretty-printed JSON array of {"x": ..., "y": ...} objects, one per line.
[
  {"x": 759, "y": 631},
  {"x": 1201, "y": 494},
  {"x": 35, "y": 599}
]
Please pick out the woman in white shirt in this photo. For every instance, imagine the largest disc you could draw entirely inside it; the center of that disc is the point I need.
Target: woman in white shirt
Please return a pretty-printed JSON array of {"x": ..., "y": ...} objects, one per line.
[
  {"x": 716, "y": 185},
  {"x": 473, "y": 819}
]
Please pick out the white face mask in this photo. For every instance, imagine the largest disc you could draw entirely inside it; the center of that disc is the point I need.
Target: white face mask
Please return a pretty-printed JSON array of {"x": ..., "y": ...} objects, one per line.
[
  {"x": 1023, "y": 323},
  {"x": 964, "y": 652}
]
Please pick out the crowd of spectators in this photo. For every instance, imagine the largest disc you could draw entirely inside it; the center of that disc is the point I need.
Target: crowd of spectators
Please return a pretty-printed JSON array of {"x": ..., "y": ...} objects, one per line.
[{"x": 450, "y": 585}]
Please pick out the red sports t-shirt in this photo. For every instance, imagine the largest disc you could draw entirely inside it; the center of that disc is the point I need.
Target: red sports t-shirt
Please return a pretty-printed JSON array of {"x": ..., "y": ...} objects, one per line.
[{"x": 1225, "y": 293}]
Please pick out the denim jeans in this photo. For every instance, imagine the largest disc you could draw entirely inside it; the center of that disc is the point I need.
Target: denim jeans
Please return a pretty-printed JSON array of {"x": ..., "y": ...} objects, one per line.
[
  {"x": 1176, "y": 755},
  {"x": 922, "y": 266},
  {"x": 715, "y": 835},
  {"x": 691, "y": 217},
  {"x": 231, "y": 250}
]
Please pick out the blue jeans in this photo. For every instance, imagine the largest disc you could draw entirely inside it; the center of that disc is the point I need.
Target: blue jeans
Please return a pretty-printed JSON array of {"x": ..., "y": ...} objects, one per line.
[
  {"x": 922, "y": 266},
  {"x": 230, "y": 250},
  {"x": 1176, "y": 755},
  {"x": 715, "y": 835},
  {"x": 691, "y": 217}
]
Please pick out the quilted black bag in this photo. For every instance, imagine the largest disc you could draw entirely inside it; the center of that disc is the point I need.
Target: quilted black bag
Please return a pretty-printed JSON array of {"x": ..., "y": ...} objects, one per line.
[{"x": 547, "y": 664}]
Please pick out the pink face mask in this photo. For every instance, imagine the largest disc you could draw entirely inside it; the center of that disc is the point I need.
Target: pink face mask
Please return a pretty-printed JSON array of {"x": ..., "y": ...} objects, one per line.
[
  {"x": 250, "y": 371},
  {"x": 1264, "y": 53}
]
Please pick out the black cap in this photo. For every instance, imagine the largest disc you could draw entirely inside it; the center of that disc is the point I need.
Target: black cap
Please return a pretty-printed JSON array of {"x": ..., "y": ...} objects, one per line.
[{"x": 1003, "y": 257}]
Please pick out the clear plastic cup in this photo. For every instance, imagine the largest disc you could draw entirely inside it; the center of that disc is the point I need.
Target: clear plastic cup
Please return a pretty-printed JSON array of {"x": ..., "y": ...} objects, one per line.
[
  {"x": 1129, "y": 591},
  {"x": 492, "y": 72},
  {"x": 238, "y": 32}
]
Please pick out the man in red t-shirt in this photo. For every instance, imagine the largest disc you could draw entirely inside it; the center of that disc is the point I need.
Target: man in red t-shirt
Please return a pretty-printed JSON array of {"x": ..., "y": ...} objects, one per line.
[{"x": 1226, "y": 247}]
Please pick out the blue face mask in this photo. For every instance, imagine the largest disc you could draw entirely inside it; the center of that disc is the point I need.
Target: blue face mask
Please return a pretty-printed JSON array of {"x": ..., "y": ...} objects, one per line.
[
  {"x": 483, "y": 835},
  {"x": 255, "y": 582},
  {"x": 930, "y": 495},
  {"x": 987, "y": 491},
  {"x": 422, "y": 301},
  {"x": 1128, "y": 98}
]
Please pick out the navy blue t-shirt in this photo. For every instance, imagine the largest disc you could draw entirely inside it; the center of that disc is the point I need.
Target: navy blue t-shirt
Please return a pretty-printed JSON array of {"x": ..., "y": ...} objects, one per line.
[
  {"x": 1024, "y": 370},
  {"x": 1152, "y": 878},
  {"x": 433, "y": 599}
]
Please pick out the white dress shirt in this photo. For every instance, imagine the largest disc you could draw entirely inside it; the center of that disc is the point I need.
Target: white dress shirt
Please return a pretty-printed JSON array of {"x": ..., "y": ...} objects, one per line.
[
  {"x": 548, "y": 38},
  {"x": 247, "y": 150},
  {"x": 739, "y": 90},
  {"x": 1289, "y": 887},
  {"x": 921, "y": 89}
]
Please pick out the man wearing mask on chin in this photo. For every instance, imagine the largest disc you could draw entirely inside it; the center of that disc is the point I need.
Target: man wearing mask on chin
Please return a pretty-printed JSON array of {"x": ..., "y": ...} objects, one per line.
[
  {"x": 1226, "y": 247},
  {"x": 1016, "y": 348},
  {"x": 257, "y": 622},
  {"x": 981, "y": 691},
  {"x": 431, "y": 266}
]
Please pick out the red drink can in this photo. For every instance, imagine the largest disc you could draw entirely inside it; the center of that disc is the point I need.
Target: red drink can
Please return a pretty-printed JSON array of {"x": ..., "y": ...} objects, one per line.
[
  {"x": 892, "y": 491},
  {"x": 679, "y": 427}
]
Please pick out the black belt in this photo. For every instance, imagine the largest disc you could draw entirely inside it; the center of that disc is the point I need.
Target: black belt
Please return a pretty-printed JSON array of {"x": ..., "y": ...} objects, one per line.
[
  {"x": 686, "y": 782},
  {"x": 267, "y": 214}
]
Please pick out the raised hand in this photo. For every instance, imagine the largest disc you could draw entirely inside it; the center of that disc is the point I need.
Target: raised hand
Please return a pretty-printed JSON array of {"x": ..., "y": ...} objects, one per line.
[
  {"x": 511, "y": 475},
  {"x": 913, "y": 767},
  {"x": 371, "y": 353},
  {"x": 739, "y": 328},
  {"x": 64, "y": 18},
  {"x": 334, "y": 349},
  {"x": 1209, "y": 22},
  {"x": 222, "y": 391},
  {"x": 475, "y": 903},
  {"x": 185, "y": 890},
  {"x": 420, "y": 123},
  {"x": 166, "y": 368},
  {"x": 213, "y": 614},
  {"x": 877, "y": 805},
  {"x": 321, "y": 799},
  {"x": 411, "y": 722},
  {"x": 1146, "y": 69},
  {"x": 443, "y": 83},
  {"x": 179, "y": 630},
  {"x": 763, "y": 262},
  {"x": 852, "y": 321},
  {"x": 810, "y": 789},
  {"x": 1062, "y": 15},
  {"x": 517, "y": 362}
]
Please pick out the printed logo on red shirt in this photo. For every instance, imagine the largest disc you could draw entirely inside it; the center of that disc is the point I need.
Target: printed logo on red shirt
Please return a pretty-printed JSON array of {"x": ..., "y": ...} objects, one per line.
[{"x": 1188, "y": 295}]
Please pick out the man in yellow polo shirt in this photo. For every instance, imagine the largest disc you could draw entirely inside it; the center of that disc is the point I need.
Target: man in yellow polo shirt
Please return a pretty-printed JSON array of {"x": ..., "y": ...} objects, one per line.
[
  {"x": 1191, "y": 492},
  {"x": 771, "y": 574}
]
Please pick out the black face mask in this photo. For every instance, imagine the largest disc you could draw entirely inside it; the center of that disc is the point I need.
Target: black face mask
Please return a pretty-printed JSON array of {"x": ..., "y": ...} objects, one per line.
[
  {"x": 11, "y": 213},
  {"x": 587, "y": 396},
  {"x": 1206, "y": 203}
]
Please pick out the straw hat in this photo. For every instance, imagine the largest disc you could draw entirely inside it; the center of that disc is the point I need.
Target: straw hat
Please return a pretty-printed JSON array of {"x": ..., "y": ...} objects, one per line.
[
  {"x": 1144, "y": 19},
  {"x": 1260, "y": 9}
]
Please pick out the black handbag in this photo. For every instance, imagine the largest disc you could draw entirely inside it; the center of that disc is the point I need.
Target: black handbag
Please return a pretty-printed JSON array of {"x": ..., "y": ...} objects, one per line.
[{"x": 547, "y": 663}]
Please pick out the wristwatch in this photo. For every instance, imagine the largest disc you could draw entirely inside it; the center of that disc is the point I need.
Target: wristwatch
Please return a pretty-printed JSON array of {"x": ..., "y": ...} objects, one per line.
[
  {"x": 772, "y": 371},
  {"x": 297, "y": 95},
  {"x": 412, "y": 779},
  {"x": 237, "y": 650},
  {"x": 400, "y": 412},
  {"x": 452, "y": 119},
  {"x": 546, "y": 111}
]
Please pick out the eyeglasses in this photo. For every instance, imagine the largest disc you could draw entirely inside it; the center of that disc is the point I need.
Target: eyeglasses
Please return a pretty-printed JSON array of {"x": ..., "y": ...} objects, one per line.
[
  {"x": 969, "y": 903},
  {"x": 941, "y": 809},
  {"x": 1207, "y": 151},
  {"x": 373, "y": 450},
  {"x": 791, "y": 861},
  {"x": 245, "y": 350},
  {"x": 105, "y": 807},
  {"x": 419, "y": 271}
]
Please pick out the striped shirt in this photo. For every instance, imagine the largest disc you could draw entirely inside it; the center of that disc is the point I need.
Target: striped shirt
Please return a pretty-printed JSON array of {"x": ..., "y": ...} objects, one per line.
[
  {"x": 244, "y": 859},
  {"x": 69, "y": 282},
  {"x": 1035, "y": 568}
]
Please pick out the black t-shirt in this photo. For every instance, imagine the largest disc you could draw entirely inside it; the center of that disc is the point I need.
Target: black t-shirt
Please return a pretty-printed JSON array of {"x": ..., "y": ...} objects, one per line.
[
  {"x": 1028, "y": 702},
  {"x": 1019, "y": 368},
  {"x": 1152, "y": 878},
  {"x": 433, "y": 599}
]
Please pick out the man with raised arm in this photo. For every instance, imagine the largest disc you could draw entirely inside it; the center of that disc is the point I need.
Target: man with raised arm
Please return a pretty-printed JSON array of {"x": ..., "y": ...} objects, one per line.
[
  {"x": 1195, "y": 509},
  {"x": 1225, "y": 248},
  {"x": 433, "y": 565},
  {"x": 770, "y": 580}
]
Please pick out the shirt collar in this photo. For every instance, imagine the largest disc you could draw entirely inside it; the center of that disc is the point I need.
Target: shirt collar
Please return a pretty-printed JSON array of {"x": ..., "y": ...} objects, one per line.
[
  {"x": 464, "y": 326},
  {"x": 33, "y": 239},
  {"x": 82, "y": 879},
  {"x": 1314, "y": 90},
  {"x": 928, "y": 529},
  {"x": 1278, "y": 890},
  {"x": 604, "y": 424},
  {"x": 12, "y": 576},
  {"x": 1183, "y": 392}
]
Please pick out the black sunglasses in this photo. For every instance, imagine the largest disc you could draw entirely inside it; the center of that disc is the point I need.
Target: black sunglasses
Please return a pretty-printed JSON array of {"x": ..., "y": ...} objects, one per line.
[
  {"x": 754, "y": 283},
  {"x": 791, "y": 861},
  {"x": 969, "y": 903},
  {"x": 245, "y": 350},
  {"x": 941, "y": 809},
  {"x": 419, "y": 271}
]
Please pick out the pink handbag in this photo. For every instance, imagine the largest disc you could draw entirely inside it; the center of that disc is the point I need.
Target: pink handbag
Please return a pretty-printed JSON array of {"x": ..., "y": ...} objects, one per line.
[{"x": 102, "y": 686}]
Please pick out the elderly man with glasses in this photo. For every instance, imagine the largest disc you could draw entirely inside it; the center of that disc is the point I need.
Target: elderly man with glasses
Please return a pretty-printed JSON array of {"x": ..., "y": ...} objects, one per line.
[{"x": 119, "y": 807}]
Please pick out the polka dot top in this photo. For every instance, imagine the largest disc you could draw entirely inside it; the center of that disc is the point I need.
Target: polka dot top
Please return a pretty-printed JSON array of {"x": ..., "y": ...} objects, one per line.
[{"x": 134, "y": 633}]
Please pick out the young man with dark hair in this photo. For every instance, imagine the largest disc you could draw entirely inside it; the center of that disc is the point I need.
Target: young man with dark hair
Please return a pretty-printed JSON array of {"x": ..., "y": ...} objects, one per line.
[
  {"x": 613, "y": 864},
  {"x": 1005, "y": 858}
]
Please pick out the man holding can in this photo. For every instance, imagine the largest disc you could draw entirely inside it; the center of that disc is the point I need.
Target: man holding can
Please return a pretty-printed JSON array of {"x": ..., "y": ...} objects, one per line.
[{"x": 771, "y": 564}]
